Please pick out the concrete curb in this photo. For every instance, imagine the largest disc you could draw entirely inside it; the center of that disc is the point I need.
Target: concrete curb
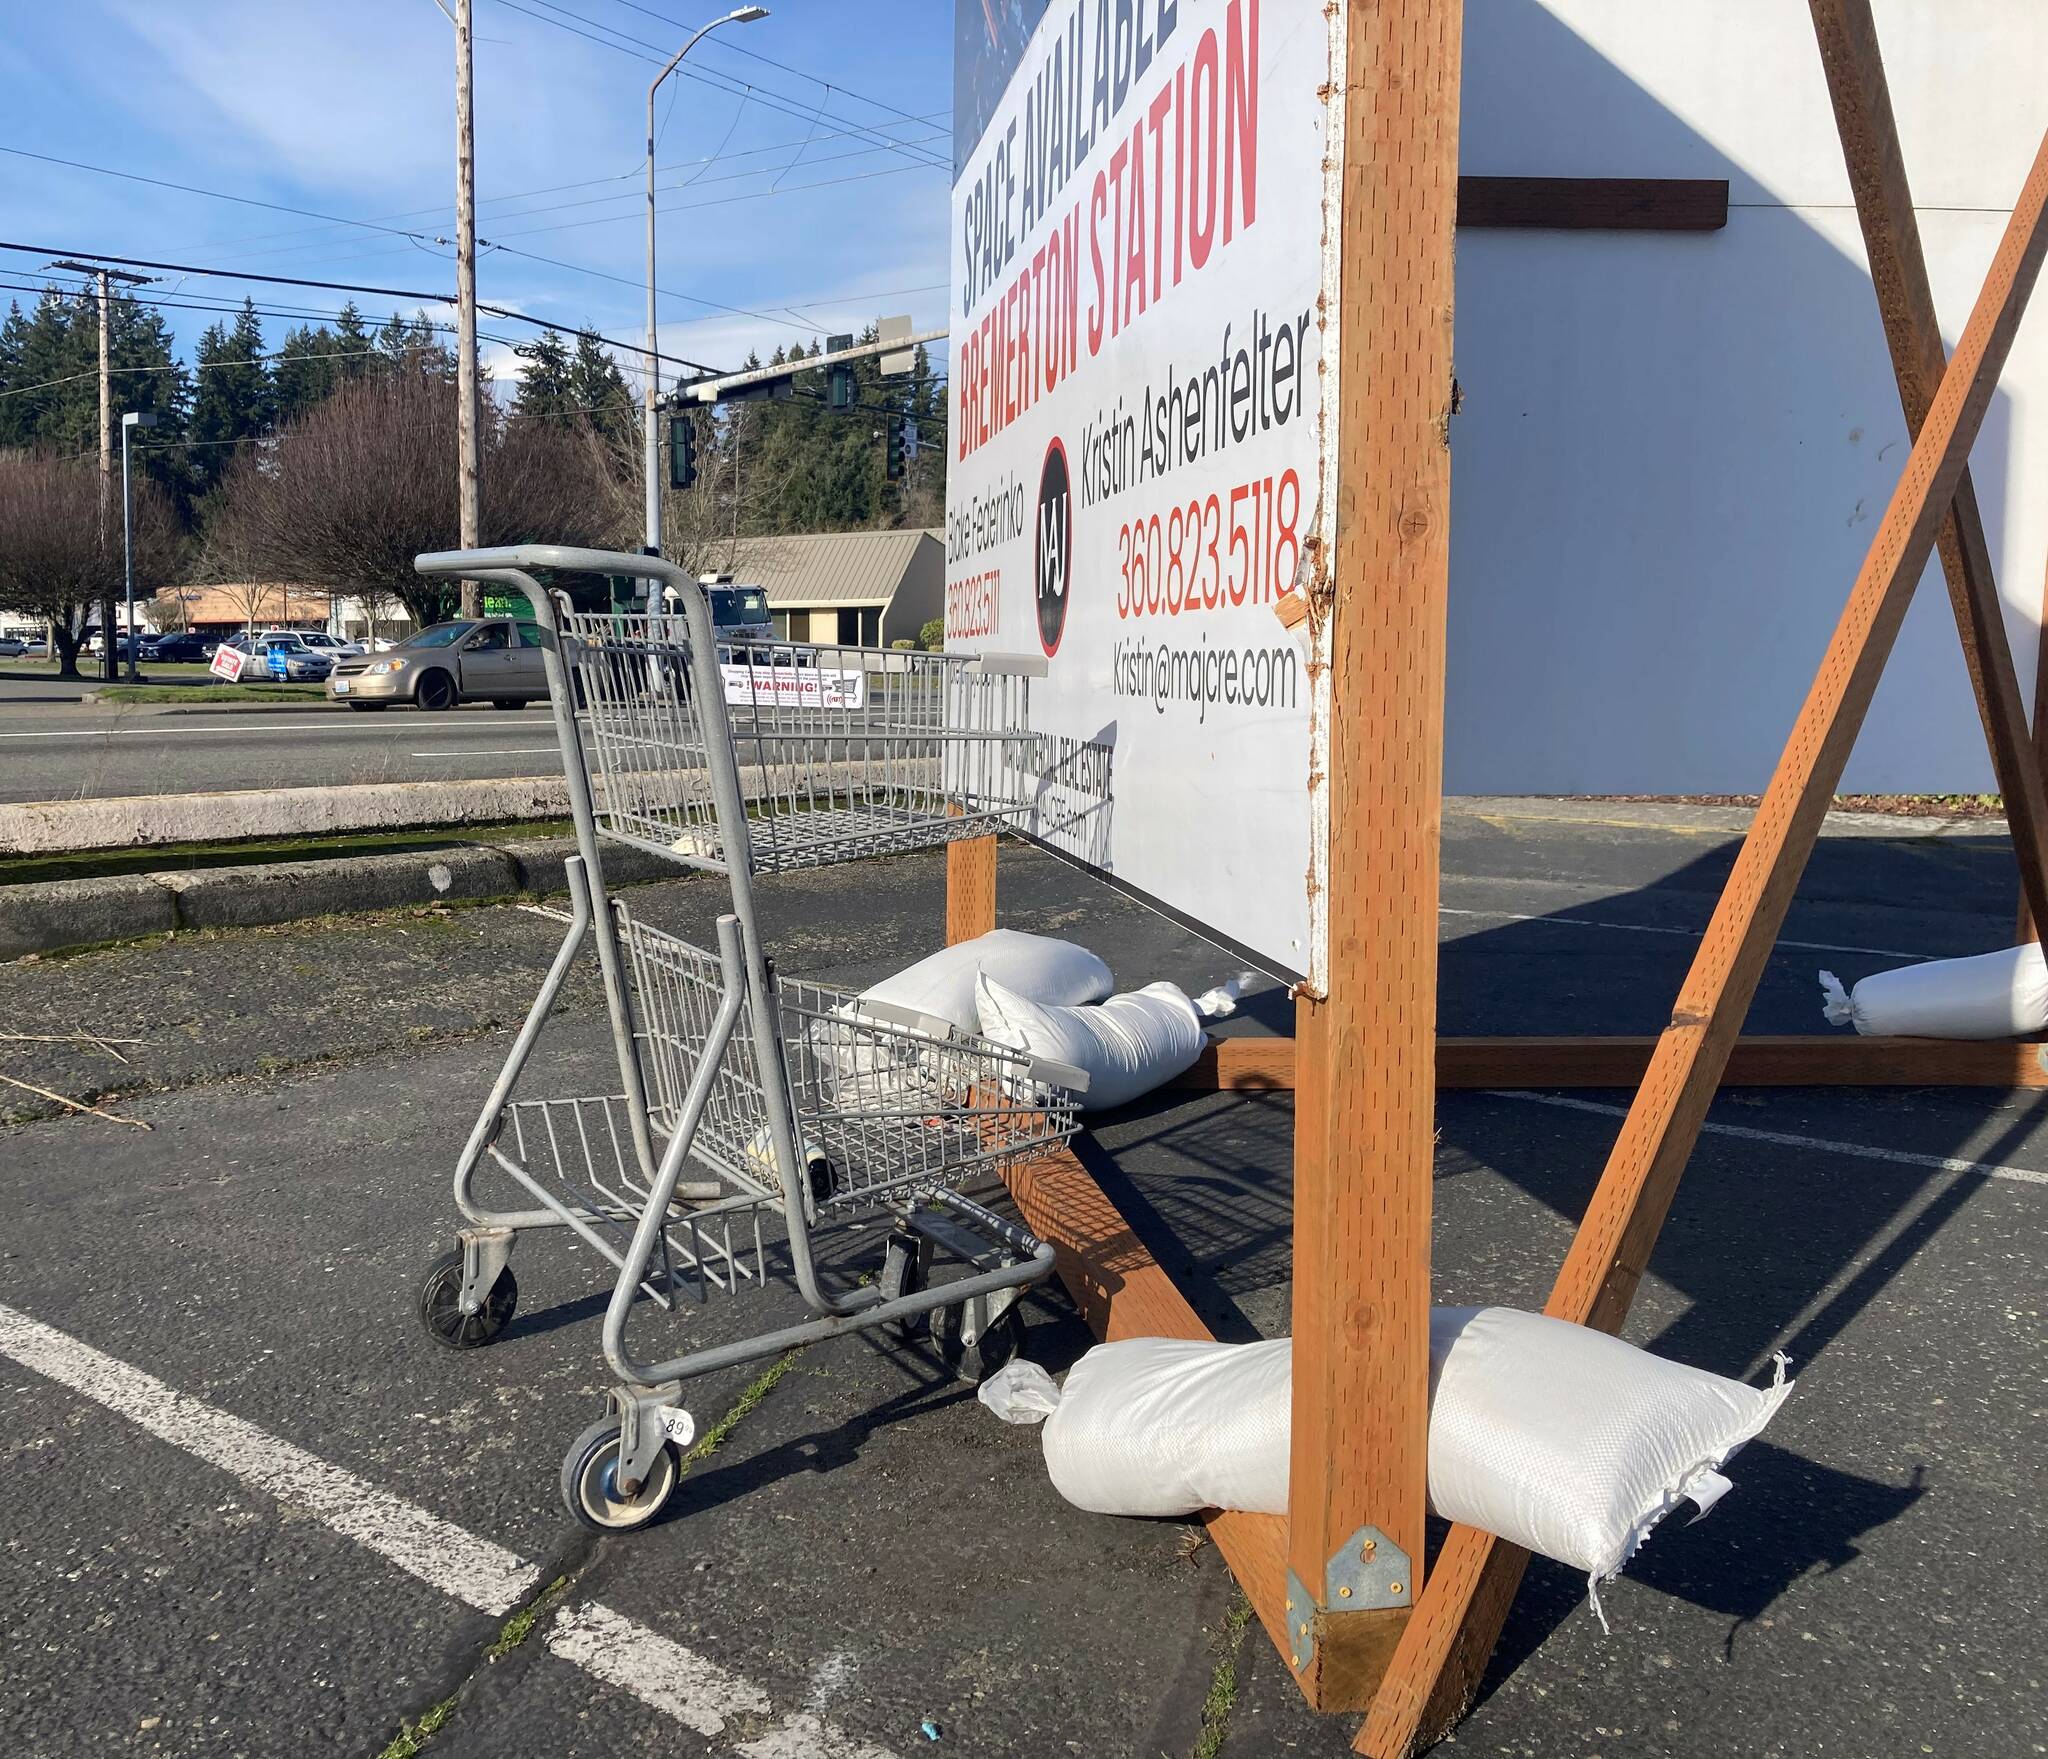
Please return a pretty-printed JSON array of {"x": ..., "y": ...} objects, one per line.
[
  {"x": 69, "y": 827},
  {"x": 49, "y": 917}
]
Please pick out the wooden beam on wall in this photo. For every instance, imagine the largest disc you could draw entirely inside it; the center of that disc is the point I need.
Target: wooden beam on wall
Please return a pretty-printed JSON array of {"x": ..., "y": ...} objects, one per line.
[
  {"x": 1905, "y": 300},
  {"x": 1365, "y": 1120},
  {"x": 1595, "y": 204},
  {"x": 1444, "y": 1649}
]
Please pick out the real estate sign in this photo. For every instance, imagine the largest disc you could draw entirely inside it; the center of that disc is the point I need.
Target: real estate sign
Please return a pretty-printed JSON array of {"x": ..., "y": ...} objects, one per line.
[{"x": 1137, "y": 423}]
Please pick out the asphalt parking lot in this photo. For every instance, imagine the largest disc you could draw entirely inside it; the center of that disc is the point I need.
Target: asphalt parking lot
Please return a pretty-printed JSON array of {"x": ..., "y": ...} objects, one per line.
[{"x": 246, "y": 1507}]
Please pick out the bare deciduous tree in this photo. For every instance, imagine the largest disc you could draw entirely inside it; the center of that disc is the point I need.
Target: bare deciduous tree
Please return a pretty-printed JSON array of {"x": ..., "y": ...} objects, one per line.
[
  {"x": 53, "y": 562},
  {"x": 352, "y": 491}
]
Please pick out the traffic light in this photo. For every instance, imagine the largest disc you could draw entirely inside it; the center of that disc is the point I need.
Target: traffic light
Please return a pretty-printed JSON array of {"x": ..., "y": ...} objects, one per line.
[
  {"x": 682, "y": 450},
  {"x": 839, "y": 378},
  {"x": 893, "y": 432}
]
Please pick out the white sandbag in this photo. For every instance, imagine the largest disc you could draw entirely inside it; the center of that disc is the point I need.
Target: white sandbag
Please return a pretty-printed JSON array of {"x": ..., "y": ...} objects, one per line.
[
  {"x": 1129, "y": 1044},
  {"x": 1161, "y": 1426},
  {"x": 1038, "y": 967},
  {"x": 1564, "y": 1440},
  {"x": 1994, "y": 995},
  {"x": 1572, "y": 1443}
]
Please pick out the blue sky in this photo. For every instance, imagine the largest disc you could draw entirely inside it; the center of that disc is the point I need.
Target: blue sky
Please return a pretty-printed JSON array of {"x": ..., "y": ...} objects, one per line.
[{"x": 346, "y": 108}]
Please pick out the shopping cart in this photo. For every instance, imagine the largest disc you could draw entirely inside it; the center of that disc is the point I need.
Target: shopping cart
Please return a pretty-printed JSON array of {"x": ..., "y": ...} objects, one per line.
[{"x": 761, "y": 1124}]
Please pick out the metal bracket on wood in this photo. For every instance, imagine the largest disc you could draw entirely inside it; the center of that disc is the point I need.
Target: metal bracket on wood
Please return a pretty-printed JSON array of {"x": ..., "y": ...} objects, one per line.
[{"x": 1368, "y": 1573}]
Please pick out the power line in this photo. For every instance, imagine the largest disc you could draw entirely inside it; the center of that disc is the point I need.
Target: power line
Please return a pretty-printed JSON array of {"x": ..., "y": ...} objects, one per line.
[
  {"x": 721, "y": 201},
  {"x": 497, "y": 311},
  {"x": 218, "y": 195},
  {"x": 770, "y": 61},
  {"x": 227, "y": 307},
  {"x": 518, "y": 195},
  {"x": 643, "y": 50}
]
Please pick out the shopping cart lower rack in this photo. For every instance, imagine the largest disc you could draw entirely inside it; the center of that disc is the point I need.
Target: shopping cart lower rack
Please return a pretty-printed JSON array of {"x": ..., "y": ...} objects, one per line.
[{"x": 763, "y": 1127}]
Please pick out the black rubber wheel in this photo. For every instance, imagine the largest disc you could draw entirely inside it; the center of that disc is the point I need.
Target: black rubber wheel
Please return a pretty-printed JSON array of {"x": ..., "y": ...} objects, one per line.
[
  {"x": 368, "y": 708},
  {"x": 508, "y": 702},
  {"x": 903, "y": 1273},
  {"x": 440, "y": 1308},
  {"x": 436, "y": 690},
  {"x": 998, "y": 1344},
  {"x": 590, "y": 1481}
]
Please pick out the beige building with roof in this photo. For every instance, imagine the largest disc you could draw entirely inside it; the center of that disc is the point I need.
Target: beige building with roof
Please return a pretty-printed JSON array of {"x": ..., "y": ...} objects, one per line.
[{"x": 868, "y": 587}]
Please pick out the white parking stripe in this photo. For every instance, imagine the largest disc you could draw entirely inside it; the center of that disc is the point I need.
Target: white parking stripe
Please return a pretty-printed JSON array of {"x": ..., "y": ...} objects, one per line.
[
  {"x": 697, "y": 1693},
  {"x": 607, "y": 1645},
  {"x": 472, "y": 1570},
  {"x": 1939, "y": 1163},
  {"x": 1691, "y": 934}
]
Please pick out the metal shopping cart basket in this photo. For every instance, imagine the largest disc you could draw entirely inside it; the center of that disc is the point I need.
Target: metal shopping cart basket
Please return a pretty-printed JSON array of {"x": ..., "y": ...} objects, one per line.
[{"x": 760, "y": 1122}]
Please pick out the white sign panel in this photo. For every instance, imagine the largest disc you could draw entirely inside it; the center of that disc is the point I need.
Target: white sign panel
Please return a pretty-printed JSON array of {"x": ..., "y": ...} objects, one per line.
[
  {"x": 788, "y": 686},
  {"x": 1135, "y": 401}
]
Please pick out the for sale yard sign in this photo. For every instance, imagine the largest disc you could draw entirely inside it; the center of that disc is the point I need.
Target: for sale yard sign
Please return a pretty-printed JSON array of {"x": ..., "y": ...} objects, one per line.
[
  {"x": 228, "y": 663},
  {"x": 1138, "y": 421}
]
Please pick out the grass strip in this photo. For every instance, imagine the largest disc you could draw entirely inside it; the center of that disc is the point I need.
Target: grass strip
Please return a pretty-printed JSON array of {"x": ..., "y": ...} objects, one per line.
[
  {"x": 414, "y": 1737},
  {"x": 762, "y": 1385},
  {"x": 1222, "y": 1694}
]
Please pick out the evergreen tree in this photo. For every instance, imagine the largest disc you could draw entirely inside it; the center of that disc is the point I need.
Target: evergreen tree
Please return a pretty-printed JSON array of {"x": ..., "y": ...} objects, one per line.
[
  {"x": 353, "y": 342},
  {"x": 544, "y": 384},
  {"x": 599, "y": 389},
  {"x": 235, "y": 400},
  {"x": 306, "y": 370},
  {"x": 394, "y": 341}
]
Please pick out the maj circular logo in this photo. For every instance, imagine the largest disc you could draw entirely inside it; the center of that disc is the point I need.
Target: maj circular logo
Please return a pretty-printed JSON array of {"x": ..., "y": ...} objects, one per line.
[{"x": 1052, "y": 556}]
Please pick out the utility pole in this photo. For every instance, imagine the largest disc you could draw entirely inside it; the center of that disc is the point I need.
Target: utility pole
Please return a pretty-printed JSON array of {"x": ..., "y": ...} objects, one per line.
[
  {"x": 469, "y": 393},
  {"x": 105, "y": 278}
]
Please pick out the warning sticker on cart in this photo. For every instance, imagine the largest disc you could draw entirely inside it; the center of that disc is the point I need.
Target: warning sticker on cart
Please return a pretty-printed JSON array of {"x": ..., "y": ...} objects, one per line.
[{"x": 786, "y": 686}]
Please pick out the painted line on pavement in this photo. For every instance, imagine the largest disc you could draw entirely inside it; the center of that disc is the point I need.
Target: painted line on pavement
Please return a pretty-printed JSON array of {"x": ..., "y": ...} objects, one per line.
[
  {"x": 496, "y": 751},
  {"x": 607, "y": 1645},
  {"x": 1939, "y": 1163},
  {"x": 1652, "y": 928}
]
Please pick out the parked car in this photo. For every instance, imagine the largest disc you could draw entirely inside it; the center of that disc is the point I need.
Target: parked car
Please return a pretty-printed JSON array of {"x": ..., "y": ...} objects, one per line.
[
  {"x": 333, "y": 646},
  {"x": 493, "y": 660},
  {"x": 288, "y": 657},
  {"x": 178, "y": 648},
  {"x": 12, "y": 647}
]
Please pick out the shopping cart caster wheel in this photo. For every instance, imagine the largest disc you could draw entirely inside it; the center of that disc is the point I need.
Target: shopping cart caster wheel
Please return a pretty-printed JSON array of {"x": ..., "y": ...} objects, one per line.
[
  {"x": 903, "y": 1274},
  {"x": 999, "y": 1343},
  {"x": 590, "y": 1485},
  {"x": 440, "y": 1306}
]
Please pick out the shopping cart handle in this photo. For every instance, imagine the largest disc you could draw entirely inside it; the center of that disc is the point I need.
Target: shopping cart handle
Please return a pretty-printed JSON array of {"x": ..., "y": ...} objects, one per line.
[
  {"x": 893, "y": 1014},
  {"x": 1058, "y": 1074}
]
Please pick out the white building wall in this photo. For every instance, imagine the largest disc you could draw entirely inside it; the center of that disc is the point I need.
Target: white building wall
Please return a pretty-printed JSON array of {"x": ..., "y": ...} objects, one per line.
[{"x": 1674, "y": 450}]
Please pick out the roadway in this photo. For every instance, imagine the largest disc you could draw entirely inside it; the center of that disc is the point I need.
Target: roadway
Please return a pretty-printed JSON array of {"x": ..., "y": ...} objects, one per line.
[{"x": 66, "y": 751}]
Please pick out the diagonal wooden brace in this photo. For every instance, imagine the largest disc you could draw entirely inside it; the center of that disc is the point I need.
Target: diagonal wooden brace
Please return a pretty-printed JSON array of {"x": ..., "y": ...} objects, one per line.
[
  {"x": 1905, "y": 300},
  {"x": 1443, "y": 1651}
]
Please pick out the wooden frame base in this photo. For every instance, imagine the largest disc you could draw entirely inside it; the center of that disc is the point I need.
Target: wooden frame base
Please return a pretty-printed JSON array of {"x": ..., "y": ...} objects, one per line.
[{"x": 1254, "y": 1065}]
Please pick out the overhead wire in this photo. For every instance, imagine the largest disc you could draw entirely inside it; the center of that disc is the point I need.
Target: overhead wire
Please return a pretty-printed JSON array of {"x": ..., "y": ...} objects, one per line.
[{"x": 248, "y": 275}]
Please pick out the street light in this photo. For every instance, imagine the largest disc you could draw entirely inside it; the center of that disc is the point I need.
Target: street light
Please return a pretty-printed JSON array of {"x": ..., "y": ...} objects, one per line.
[
  {"x": 135, "y": 418},
  {"x": 740, "y": 15}
]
